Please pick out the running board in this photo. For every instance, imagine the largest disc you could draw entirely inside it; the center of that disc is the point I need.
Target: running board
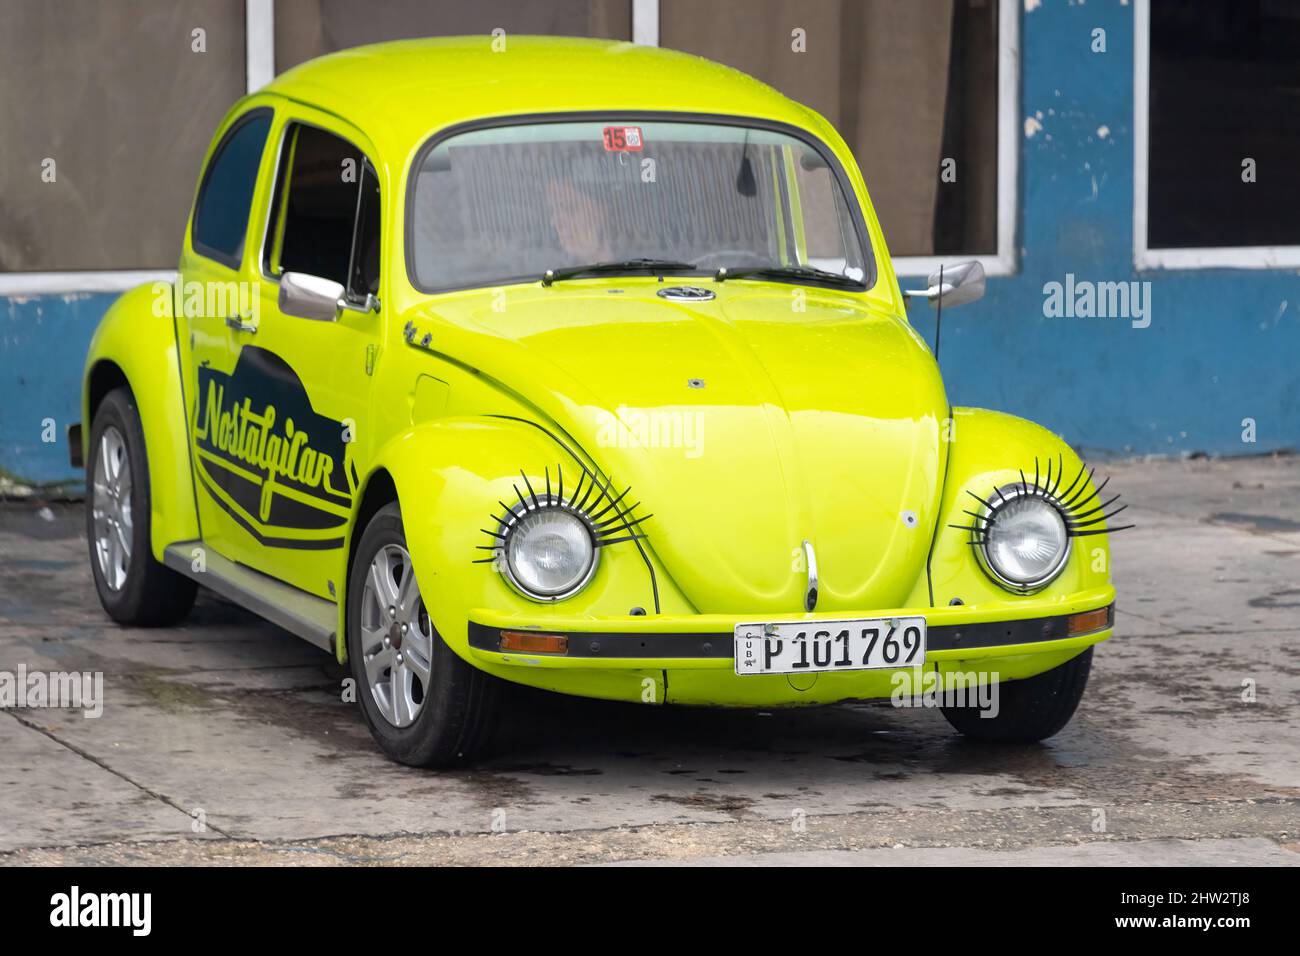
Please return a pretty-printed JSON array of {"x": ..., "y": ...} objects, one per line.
[{"x": 311, "y": 618}]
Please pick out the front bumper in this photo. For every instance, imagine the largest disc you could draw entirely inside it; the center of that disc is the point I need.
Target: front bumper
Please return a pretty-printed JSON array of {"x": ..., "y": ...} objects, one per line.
[
  {"x": 684, "y": 649},
  {"x": 705, "y": 641}
]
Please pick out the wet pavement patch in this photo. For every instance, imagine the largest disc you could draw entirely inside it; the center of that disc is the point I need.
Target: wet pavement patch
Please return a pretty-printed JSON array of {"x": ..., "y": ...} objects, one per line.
[
  {"x": 1261, "y": 524},
  {"x": 1278, "y": 599}
]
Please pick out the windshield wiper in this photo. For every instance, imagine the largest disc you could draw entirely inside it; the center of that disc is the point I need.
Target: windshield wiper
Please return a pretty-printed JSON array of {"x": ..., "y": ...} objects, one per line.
[
  {"x": 789, "y": 272},
  {"x": 621, "y": 265}
]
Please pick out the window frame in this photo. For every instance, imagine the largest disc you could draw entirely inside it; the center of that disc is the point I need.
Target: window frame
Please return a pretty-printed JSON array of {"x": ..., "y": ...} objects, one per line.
[
  {"x": 1005, "y": 261},
  {"x": 1146, "y": 258},
  {"x": 367, "y": 168},
  {"x": 290, "y": 121}
]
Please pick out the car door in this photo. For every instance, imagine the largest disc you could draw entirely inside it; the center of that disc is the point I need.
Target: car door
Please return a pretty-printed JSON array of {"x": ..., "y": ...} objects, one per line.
[
  {"x": 305, "y": 385},
  {"x": 217, "y": 285}
]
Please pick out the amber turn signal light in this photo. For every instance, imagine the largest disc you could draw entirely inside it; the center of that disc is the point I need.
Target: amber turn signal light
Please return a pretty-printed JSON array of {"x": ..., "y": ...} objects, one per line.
[
  {"x": 527, "y": 642},
  {"x": 1089, "y": 621}
]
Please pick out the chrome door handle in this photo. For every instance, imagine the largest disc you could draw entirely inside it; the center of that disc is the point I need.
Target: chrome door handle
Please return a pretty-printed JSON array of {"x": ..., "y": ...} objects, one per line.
[{"x": 239, "y": 324}]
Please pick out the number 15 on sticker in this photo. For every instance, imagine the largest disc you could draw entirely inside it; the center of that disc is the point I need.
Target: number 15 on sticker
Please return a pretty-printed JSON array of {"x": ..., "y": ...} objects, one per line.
[{"x": 623, "y": 138}]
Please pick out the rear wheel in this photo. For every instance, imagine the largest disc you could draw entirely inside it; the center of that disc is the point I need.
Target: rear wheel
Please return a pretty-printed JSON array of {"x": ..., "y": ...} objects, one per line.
[
  {"x": 1028, "y": 710},
  {"x": 133, "y": 587},
  {"x": 424, "y": 705}
]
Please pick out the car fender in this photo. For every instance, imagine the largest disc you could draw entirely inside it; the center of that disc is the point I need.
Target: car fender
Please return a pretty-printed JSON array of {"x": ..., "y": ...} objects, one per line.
[
  {"x": 137, "y": 337},
  {"x": 452, "y": 476},
  {"x": 990, "y": 450}
]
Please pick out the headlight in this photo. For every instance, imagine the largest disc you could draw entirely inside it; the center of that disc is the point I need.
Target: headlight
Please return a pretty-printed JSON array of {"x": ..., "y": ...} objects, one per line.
[
  {"x": 1026, "y": 540},
  {"x": 549, "y": 553}
]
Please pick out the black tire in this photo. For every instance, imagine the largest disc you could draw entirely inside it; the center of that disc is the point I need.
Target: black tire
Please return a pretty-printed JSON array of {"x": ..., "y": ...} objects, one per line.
[
  {"x": 457, "y": 715},
  {"x": 1028, "y": 710},
  {"x": 151, "y": 595}
]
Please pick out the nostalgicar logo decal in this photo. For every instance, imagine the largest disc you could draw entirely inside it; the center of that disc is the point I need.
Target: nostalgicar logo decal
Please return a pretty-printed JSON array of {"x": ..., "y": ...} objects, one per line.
[{"x": 268, "y": 458}]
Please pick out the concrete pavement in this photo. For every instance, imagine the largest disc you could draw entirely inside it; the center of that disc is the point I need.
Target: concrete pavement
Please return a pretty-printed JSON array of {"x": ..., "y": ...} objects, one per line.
[{"x": 225, "y": 740}]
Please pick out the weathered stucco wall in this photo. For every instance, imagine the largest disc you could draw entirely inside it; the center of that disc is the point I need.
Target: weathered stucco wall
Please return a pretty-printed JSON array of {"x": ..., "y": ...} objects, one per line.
[{"x": 1220, "y": 346}]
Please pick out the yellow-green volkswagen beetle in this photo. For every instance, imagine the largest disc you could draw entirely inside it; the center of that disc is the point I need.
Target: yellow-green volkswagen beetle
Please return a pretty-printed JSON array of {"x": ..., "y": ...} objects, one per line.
[{"x": 580, "y": 365}]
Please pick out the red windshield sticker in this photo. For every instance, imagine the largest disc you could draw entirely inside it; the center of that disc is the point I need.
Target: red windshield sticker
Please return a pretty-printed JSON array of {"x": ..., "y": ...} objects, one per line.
[{"x": 619, "y": 139}]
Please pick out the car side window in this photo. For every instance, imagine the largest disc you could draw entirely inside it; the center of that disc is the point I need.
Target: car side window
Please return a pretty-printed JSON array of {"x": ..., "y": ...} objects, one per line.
[
  {"x": 226, "y": 193},
  {"x": 325, "y": 213}
]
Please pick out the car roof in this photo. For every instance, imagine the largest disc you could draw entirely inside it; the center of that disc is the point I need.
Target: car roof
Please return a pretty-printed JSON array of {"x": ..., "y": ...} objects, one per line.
[{"x": 398, "y": 93}]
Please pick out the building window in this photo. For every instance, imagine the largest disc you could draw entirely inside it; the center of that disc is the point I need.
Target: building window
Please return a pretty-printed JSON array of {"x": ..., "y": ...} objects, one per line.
[
  {"x": 309, "y": 28},
  {"x": 106, "y": 118},
  {"x": 1217, "y": 121},
  {"x": 125, "y": 107},
  {"x": 127, "y": 133},
  {"x": 913, "y": 88}
]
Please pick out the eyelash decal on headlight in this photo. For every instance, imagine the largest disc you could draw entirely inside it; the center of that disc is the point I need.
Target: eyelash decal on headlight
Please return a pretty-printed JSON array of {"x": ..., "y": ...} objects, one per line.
[
  {"x": 614, "y": 523},
  {"x": 1071, "y": 502}
]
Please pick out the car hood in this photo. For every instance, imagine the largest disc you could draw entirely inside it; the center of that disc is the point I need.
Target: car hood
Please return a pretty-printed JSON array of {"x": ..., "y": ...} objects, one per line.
[{"x": 747, "y": 424}]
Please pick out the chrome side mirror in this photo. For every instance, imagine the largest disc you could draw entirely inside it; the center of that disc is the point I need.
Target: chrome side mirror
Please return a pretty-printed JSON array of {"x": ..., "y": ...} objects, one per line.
[
  {"x": 310, "y": 297},
  {"x": 962, "y": 282}
]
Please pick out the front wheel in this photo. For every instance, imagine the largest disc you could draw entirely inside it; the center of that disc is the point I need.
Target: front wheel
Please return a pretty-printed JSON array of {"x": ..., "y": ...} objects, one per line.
[
  {"x": 1028, "y": 710},
  {"x": 424, "y": 705}
]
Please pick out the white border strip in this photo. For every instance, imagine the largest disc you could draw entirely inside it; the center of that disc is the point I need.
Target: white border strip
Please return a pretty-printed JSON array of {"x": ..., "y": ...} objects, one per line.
[
  {"x": 259, "y": 43},
  {"x": 1141, "y": 128},
  {"x": 1006, "y": 261},
  {"x": 1207, "y": 257},
  {"x": 1219, "y": 257},
  {"x": 68, "y": 283},
  {"x": 645, "y": 22}
]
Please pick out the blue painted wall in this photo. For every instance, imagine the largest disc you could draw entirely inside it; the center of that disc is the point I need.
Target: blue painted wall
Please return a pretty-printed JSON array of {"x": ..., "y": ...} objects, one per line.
[
  {"x": 43, "y": 343},
  {"x": 1222, "y": 345}
]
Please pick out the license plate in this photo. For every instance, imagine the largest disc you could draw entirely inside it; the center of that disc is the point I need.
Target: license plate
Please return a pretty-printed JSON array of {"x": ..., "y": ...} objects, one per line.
[{"x": 808, "y": 648}]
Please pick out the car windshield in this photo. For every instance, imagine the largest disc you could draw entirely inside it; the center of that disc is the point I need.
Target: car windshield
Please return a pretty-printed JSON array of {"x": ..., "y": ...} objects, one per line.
[{"x": 510, "y": 203}]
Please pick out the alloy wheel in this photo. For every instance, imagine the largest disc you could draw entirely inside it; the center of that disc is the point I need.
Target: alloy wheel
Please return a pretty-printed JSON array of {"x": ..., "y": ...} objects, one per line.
[
  {"x": 396, "y": 637},
  {"x": 111, "y": 508}
]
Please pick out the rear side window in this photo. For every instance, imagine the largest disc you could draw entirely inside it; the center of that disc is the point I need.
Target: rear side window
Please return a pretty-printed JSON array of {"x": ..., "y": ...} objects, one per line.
[
  {"x": 221, "y": 213},
  {"x": 318, "y": 193}
]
